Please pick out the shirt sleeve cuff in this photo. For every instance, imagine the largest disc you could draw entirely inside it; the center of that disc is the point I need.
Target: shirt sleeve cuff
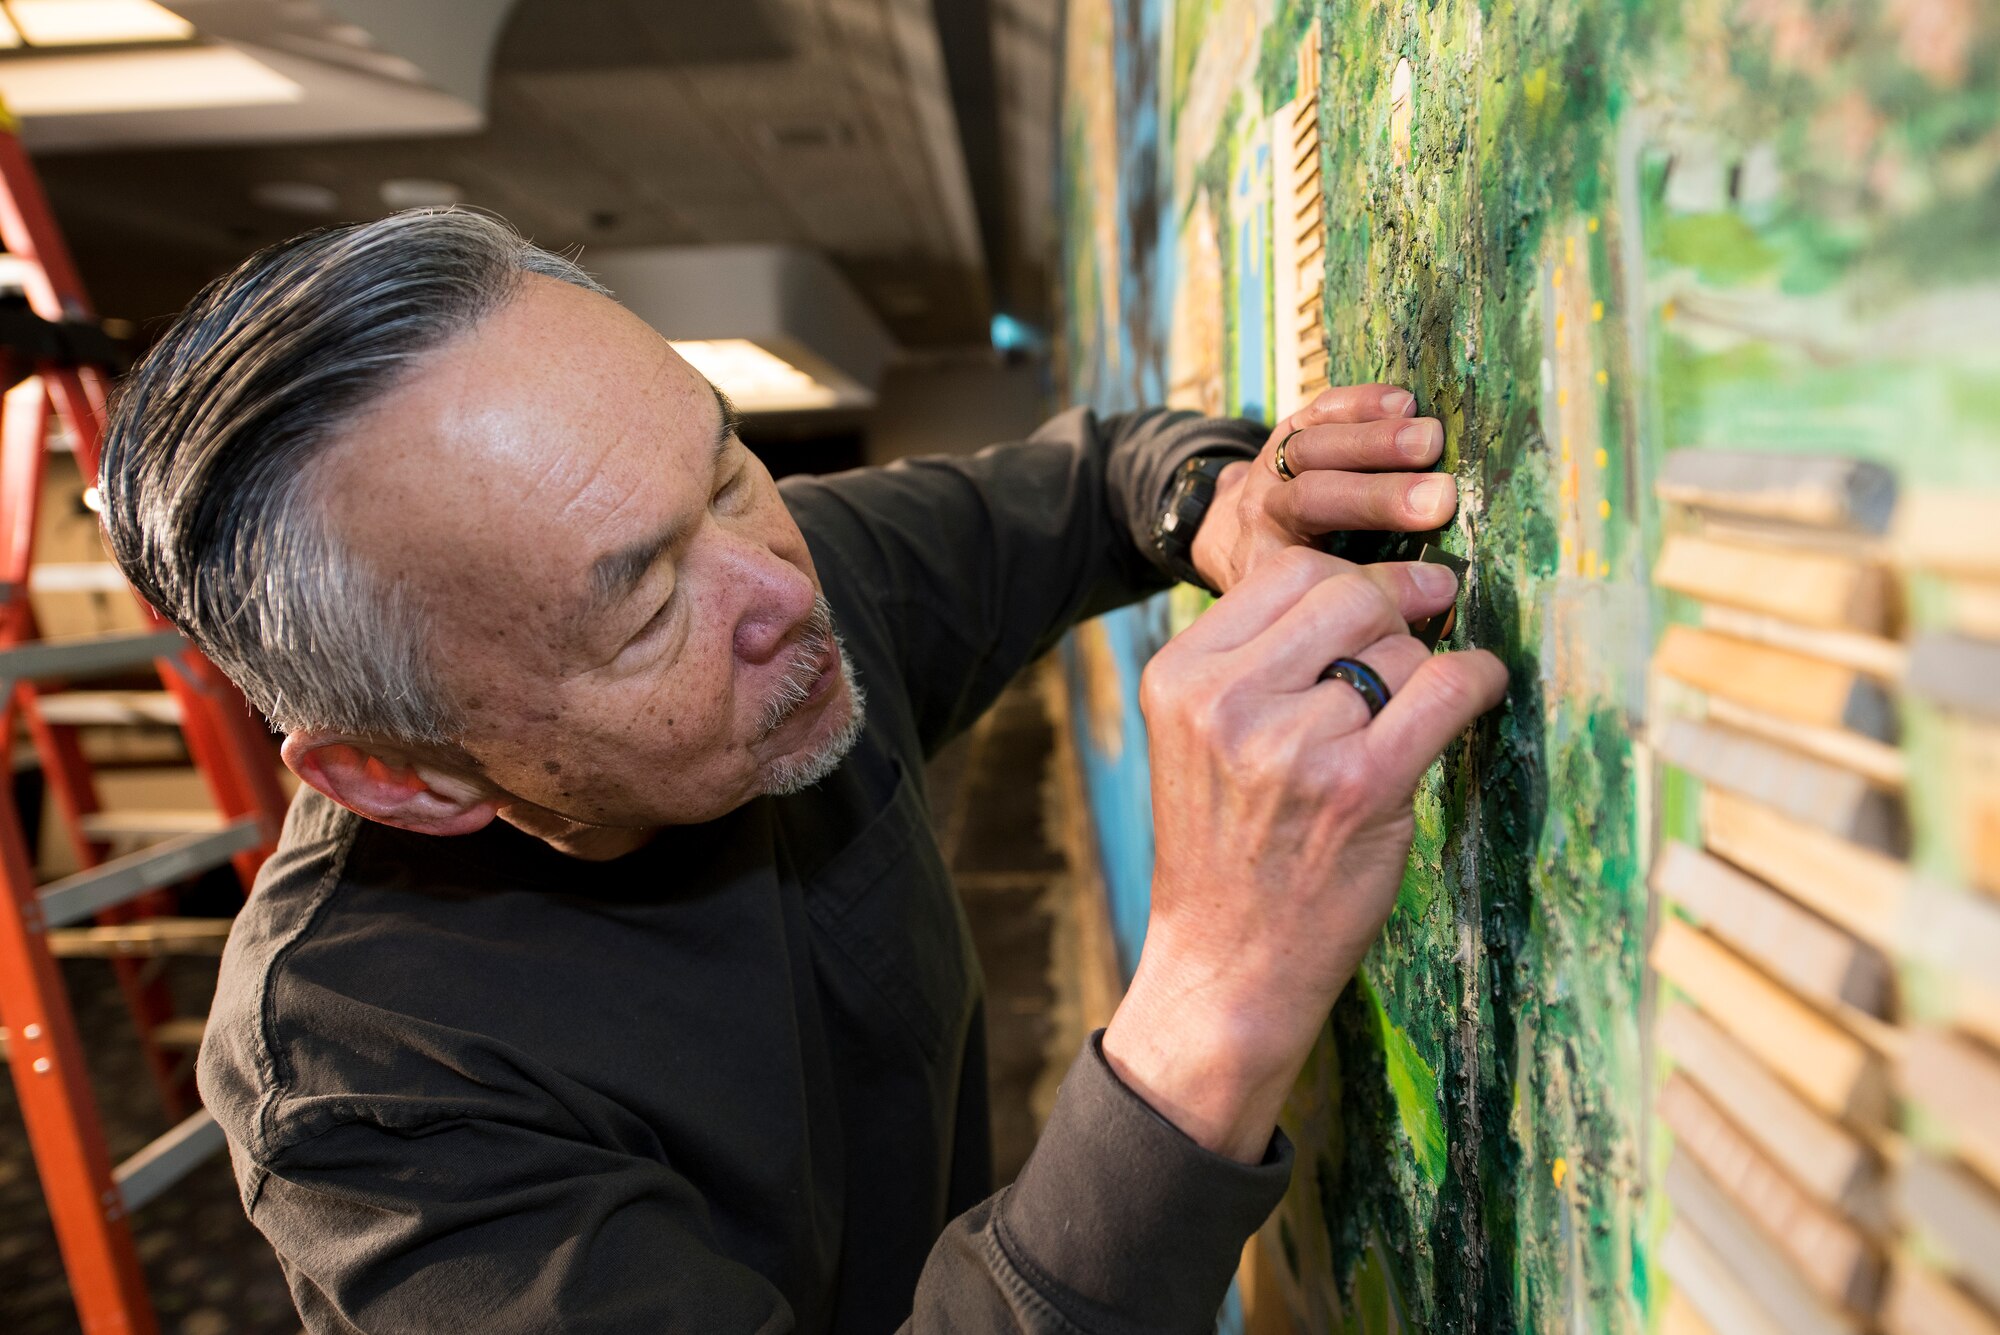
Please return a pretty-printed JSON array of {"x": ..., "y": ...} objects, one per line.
[{"x": 1123, "y": 1221}]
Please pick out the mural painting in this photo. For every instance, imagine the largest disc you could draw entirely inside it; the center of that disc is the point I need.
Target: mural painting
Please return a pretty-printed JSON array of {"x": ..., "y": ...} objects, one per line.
[{"x": 1588, "y": 234}]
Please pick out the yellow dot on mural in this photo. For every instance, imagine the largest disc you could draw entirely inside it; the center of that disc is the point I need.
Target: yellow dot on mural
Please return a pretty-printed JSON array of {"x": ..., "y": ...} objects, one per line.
[
  {"x": 1556, "y": 278},
  {"x": 1604, "y": 509},
  {"x": 1589, "y": 559},
  {"x": 1565, "y": 448},
  {"x": 1592, "y": 225},
  {"x": 1559, "y": 1170},
  {"x": 1562, "y": 321},
  {"x": 1603, "y": 377},
  {"x": 1597, "y": 310},
  {"x": 1567, "y": 548},
  {"x": 1666, "y": 310},
  {"x": 1604, "y": 570},
  {"x": 1569, "y": 250},
  {"x": 1562, "y": 398},
  {"x": 1603, "y": 458}
]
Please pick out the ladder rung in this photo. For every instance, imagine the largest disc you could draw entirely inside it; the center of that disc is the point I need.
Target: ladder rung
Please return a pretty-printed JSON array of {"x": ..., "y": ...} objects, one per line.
[
  {"x": 80, "y": 708},
  {"x": 74, "y": 898},
  {"x": 140, "y": 823},
  {"x": 167, "y": 1160},
  {"x": 87, "y": 655},
  {"x": 143, "y": 937},
  {"x": 76, "y": 577},
  {"x": 182, "y": 1033}
]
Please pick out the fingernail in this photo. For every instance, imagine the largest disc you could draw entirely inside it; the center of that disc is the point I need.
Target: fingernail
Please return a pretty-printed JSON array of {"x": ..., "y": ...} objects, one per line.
[
  {"x": 1430, "y": 496},
  {"x": 1433, "y": 581},
  {"x": 1415, "y": 439},
  {"x": 1398, "y": 402}
]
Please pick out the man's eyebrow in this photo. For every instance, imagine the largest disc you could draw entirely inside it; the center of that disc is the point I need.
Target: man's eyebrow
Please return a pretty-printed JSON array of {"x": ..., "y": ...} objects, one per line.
[
  {"x": 614, "y": 575},
  {"x": 732, "y": 421}
]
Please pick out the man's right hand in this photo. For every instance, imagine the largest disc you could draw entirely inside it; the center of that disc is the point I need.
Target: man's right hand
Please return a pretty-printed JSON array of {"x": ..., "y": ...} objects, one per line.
[{"x": 1282, "y": 822}]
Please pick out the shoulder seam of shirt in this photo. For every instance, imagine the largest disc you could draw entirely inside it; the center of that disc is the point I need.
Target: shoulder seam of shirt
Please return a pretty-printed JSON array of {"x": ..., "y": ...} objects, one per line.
[{"x": 279, "y": 1074}]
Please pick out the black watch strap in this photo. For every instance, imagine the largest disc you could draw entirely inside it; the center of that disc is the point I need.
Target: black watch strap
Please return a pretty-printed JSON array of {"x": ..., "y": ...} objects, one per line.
[{"x": 1188, "y": 499}]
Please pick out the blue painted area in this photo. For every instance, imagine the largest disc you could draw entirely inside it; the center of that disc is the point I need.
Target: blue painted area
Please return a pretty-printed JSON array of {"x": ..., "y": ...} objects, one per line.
[
  {"x": 1229, "y": 1321},
  {"x": 1120, "y": 785},
  {"x": 1146, "y": 292},
  {"x": 1250, "y": 207}
]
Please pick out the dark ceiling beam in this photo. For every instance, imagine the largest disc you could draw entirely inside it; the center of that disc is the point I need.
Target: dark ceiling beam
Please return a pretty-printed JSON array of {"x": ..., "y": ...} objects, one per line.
[{"x": 965, "y": 35}]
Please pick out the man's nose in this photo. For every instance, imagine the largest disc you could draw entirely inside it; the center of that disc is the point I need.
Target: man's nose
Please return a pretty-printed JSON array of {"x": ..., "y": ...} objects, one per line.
[{"x": 777, "y": 599}]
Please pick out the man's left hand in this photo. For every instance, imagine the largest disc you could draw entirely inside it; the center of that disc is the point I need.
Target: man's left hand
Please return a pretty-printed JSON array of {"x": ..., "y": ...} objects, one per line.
[{"x": 1353, "y": 453}]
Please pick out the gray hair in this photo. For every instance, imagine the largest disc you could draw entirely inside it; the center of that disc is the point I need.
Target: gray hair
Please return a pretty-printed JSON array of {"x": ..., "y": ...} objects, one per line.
[{"x": 209, "y": 480}]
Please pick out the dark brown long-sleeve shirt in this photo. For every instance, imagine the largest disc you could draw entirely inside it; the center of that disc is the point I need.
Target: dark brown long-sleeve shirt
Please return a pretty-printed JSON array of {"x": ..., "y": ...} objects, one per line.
[{"x": 733, "y": 1081}]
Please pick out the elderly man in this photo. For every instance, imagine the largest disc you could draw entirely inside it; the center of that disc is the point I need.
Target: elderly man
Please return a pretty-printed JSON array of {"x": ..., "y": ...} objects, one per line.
[{"x": 607, "y": 977}]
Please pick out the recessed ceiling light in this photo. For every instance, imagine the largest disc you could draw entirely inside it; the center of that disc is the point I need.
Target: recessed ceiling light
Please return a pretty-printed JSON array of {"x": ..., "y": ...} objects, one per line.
[
  {"x": 302, "y": 197},
  {"x": 755, "y": 380},
  {"x": 418, "y": 192},
  {"x": 10, "y": 36},
  {"x": 157, "y": 79},
  {"x": 95, "y": 22}
]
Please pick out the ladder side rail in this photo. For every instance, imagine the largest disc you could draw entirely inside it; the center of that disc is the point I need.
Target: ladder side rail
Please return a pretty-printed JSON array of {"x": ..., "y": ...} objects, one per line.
[
  {"x": 231, "y": 748},
  {"x": 24, "y": 424},
  {"x": 28, "y": 229},
  {"x": 59, "y": 1107}
]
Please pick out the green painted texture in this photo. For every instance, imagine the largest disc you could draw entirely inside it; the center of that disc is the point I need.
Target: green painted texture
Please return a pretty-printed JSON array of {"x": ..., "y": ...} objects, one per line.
[{"x": 1611, "y": 226}]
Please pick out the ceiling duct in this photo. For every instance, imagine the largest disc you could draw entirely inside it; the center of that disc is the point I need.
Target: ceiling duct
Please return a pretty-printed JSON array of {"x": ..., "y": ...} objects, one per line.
[{"x": 774, "y": 327}]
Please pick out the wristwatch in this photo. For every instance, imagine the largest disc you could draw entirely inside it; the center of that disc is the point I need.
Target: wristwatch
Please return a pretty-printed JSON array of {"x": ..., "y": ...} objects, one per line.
[{"x": 1180, "y": 519}]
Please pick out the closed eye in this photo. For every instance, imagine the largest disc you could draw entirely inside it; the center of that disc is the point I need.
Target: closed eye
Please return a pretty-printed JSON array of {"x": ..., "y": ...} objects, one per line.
[{"x": 732, "y": 490}]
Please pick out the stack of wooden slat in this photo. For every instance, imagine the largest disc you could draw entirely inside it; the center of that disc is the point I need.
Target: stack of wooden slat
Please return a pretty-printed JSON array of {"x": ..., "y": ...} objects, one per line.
[
  {"x": 1299, "y": 240},
  {"x": 1945, "y": 1273},
  {"x": 1778, "y": 933}
]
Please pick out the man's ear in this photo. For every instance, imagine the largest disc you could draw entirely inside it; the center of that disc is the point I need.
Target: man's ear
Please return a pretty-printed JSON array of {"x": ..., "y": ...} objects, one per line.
[{"x": 388, "y": 784}]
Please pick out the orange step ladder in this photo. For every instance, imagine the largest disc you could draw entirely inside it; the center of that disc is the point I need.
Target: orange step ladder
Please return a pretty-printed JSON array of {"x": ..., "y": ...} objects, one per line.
[{"x": 126, "y": 896}]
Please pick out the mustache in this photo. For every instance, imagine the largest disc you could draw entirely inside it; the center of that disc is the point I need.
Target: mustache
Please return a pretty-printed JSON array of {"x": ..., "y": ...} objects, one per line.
[{"x": 808, "y": 661}]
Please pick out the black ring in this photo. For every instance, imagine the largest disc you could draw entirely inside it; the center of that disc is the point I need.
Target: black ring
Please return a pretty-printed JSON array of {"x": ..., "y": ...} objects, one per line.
[
  {"x": 1367, "y": 683},
  {"x": 1283, "y": 469}
]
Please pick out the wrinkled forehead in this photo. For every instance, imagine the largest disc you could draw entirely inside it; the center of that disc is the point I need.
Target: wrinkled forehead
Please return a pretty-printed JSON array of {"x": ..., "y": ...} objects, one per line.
[{"x": 508, "y": 460}]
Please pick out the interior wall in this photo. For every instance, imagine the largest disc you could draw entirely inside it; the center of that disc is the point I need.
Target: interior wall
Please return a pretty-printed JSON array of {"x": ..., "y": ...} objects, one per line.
[{"x": 956, "y": 405}]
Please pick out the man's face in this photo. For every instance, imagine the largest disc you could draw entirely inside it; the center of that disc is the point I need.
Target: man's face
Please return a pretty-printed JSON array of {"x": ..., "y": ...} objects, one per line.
[{"x": 621, "y": 604}]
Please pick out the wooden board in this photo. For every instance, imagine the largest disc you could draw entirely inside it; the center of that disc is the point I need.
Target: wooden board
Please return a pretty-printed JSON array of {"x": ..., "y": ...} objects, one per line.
[
  {"x": 1821, "y": 491},
  {"x": 1798, "y": 947},
  {"x": 1972, "y": 779},
  {"x": 1922, "y": 1302},
  {"x": 1764, "y": 1271},
  {"x": 1975, "y": 608},
  {"x": 1811, "y": 588},
  {"x": 1679, "y": 1317},
  {"x": 1883, "y": 659},
  {"x": 1827, "y": 1160},
  {"x": 1857, "y": 888},
  {"x": 1878, "y": 762},
  {"x": 1710, "y": 1287},
  {"x": 1956, "y": 1215},
  {"x": 1953, "y": 531},
  {"x": 1954, "y": 934},
  {"x": 1831, "y": 1068},
  {"x": 1777, "y": 681},
  {"x": 1839, "y": 801},
  {"x": 1957, "y": 1082},
  {"x": 1956, "y": 672},
  {"x": 1832, "y": 1254}
]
